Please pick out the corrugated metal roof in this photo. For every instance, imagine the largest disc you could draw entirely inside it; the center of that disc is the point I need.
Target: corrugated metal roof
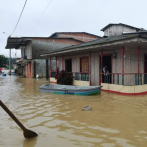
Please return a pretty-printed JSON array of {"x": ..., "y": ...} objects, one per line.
[
  {"x": 16, "y": 42},
  {"x": 140, "y": 32},
  {"x": 103, "y": 29},
  {"x": 96, "y": 42}
]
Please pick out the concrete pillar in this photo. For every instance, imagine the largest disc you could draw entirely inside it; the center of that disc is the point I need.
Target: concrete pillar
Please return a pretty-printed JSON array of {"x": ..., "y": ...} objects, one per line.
[
  {"x": 10, "y": 61},
  {"x": 34, "y": 67}
]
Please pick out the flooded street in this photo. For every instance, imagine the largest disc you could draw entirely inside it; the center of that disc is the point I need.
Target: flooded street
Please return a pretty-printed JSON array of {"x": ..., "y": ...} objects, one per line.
[{"x": 114, "y": 121}]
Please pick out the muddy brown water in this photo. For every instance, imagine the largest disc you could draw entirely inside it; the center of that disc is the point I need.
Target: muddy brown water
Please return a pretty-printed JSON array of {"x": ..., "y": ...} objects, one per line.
[{"x": 114, "y": 121}]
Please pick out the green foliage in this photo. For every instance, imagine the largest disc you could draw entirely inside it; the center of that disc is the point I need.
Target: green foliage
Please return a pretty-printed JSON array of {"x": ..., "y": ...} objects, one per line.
[
  {"x": 64, "y": 78},
  {"x": 3, "y": 61}
]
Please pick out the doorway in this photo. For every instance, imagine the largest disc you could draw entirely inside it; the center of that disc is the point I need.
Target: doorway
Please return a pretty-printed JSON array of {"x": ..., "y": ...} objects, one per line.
[
  {"x": 107, "y": 62},
  {"x": 68, "y": 65}
]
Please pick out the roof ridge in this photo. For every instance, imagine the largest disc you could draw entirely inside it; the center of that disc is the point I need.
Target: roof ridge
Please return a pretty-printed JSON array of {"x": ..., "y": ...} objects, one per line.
[
  {"x": 74, "y": 33},
  {"x": 110, "y": 24}
]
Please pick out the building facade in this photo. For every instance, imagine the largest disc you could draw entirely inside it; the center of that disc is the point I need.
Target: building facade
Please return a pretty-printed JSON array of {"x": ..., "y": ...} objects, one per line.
[
  {"x": 31, "y": 62},
  {"x": 123, "y": 52}
]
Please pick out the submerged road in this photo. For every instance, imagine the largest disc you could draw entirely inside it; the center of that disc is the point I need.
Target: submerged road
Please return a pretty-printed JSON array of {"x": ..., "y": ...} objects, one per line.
[{"x": 114, "y": 121}]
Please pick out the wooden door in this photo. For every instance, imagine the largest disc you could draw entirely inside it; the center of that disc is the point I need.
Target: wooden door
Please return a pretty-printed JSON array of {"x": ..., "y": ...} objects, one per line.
[{"x": 84, "y": 66}]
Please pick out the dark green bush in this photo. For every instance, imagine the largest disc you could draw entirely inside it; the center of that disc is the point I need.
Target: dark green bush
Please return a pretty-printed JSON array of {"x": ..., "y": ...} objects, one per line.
[{"x": 64, "y": 78}]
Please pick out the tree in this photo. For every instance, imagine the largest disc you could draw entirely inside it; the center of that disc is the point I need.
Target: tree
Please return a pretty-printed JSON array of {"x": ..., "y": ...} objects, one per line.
[{"x": 3, "y": 61}]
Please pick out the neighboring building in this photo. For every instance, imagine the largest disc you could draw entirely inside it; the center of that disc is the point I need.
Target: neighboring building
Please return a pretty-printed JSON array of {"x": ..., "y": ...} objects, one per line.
[
  {"x": 123, "y": 51},
  {"x": 31, "y": 62},
  {"x": 119, "y": 29},
  {"x": 81, "y": 36}
]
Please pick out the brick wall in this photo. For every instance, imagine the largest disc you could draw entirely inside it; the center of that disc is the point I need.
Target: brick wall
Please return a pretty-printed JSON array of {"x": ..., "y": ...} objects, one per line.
[
  {"x": 79, "y": 36},
  {"x": 59, "y": 40}
]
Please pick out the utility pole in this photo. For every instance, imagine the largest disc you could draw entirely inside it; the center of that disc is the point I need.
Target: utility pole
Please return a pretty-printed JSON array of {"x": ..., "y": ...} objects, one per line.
[
  {"x": 9, "y": 56},
  {"x": 10, "y": 62}
]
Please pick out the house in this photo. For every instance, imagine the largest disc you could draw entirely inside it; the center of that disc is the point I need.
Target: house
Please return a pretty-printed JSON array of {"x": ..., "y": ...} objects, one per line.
[
  {"x": 31, "y": 63},
  {"x": 81, "y": 36},
  {"x": 123, "y": 49},
  {"x": 119, "y": 29}
]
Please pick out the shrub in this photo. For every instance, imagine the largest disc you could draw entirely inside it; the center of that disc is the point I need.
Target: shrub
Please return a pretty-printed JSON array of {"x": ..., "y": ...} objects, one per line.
[{"x": 64, "y": 78}]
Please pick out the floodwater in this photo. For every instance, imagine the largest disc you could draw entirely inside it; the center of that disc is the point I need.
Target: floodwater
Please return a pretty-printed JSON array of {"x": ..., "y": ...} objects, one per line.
[{"x": 114, "y": 120}]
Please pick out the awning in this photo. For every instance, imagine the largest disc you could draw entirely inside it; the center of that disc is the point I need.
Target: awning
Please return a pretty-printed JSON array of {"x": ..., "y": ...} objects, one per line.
[
  {"x": 16, "y": 42},
  {"x": 23, "y": 61}
]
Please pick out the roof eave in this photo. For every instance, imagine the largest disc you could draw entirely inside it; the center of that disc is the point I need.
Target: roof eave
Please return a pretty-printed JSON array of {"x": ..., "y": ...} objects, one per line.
[{"x": 93, "y": 45}]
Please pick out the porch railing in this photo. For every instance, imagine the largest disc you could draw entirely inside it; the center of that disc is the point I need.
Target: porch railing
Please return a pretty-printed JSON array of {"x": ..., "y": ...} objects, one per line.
[
  {"x": 52, "y": 73},
  {"x": 129, "y": 79},
  {"x": 82, "y": 76}
]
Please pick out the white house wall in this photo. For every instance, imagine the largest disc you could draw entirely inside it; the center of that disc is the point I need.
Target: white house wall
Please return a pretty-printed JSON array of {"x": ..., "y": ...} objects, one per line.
[
  {"x": 130, "y": 64},
  {"x": 95, "y": 70},
  {"x": 27, "y": 51},
  {"x": 117, "y": 30}
]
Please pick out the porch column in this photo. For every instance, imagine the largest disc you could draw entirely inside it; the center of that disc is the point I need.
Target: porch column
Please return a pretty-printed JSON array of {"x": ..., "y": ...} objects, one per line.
[
  {"x": 101, "y": 80},
  {"x": 123, "y": 65},
  {"x": 62, "y": 62},
  {"x": 29, "y": 70},
  {"x": 139, "y": 67},
  {"x": 56, "y": 63},
  {"x": 138, "y": 59},
  {"x": 90, "y": 68},
  {"x": 34, "y": 66},
  {"x": 59, "y": 63},
  {"x": 26, "y": 70},
  {"x": 50, "y": 67},
  {"x": 47, "y": 69}
]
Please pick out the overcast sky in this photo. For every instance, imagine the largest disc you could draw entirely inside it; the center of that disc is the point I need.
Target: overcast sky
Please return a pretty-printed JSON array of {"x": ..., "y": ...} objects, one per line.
[{"x": 67, "y": 16}]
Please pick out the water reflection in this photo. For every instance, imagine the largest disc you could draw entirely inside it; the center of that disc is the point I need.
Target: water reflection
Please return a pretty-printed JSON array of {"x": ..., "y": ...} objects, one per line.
[
  {"x": 30, "y": 142},
  {"x": 58, "y": 119}
]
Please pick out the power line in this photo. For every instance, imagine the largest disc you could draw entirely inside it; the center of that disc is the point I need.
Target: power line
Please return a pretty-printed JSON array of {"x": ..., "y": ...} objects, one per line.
[
  {"x": 40, "y": 16},
  {"x": 19, "y": 17}
]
